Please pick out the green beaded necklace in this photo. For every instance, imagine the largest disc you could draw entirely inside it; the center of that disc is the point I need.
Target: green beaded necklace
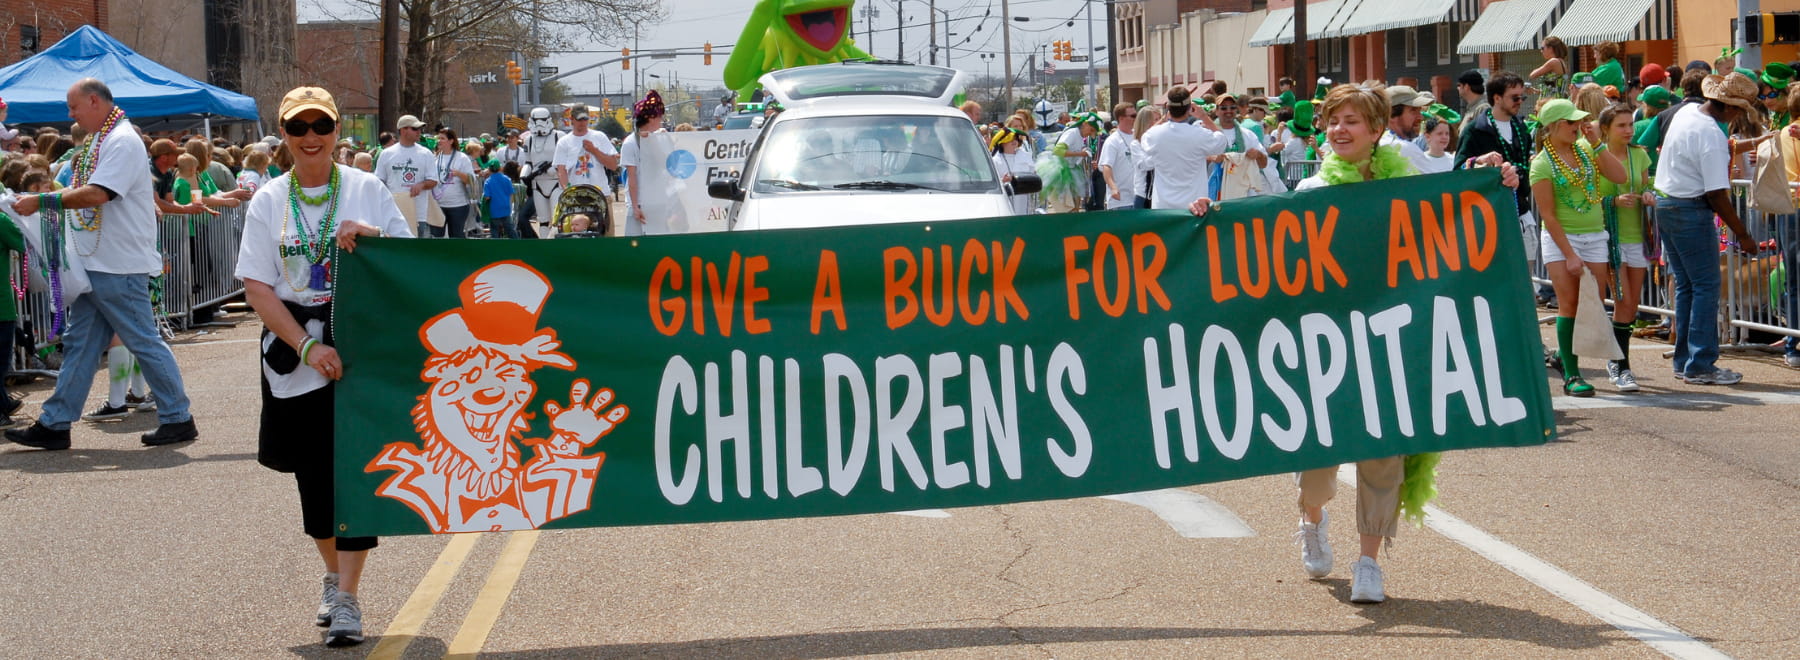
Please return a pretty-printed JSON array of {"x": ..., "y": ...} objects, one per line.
[{"x": 1566, "y": 177}]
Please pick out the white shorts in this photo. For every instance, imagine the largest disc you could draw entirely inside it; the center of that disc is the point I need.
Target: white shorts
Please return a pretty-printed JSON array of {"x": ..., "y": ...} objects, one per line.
[
  {"x": 1632, "y": 255},
  {"x": 1590, "y": 247}
]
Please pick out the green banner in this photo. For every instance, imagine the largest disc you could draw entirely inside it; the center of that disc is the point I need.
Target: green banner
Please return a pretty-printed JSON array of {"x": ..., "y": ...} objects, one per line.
[{"x": 675, "y": 379}]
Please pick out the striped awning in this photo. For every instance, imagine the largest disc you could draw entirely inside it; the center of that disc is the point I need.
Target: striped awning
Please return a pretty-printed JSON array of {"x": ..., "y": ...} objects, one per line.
[
  {"x": 1278, "y": 26},
  {"x": 1378, "y": 15},
  {"x": 1511, "y": 25},
  {"x": 1464, "y": 11},
  {"x": 1273, "y": 25},
  {"x": 1593, "y": 21}
]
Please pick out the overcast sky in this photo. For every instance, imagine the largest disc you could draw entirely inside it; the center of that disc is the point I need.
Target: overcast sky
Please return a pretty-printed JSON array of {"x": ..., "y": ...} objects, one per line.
[{"x": 694, "y": 22}]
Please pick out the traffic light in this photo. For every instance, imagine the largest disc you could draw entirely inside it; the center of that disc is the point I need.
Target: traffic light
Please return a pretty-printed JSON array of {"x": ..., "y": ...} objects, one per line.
[
  {"x": 514, "y": 73},
  {"x": 625, "y": 64},
  {"x": 1061, "y": 49},
  {"x": 606, "y": 105},
  {"x": 708, "y": 57}
]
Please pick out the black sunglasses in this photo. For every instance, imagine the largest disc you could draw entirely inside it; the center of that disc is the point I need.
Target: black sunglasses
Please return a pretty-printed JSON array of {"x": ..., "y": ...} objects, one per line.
[{"x": 298, "y": 127}]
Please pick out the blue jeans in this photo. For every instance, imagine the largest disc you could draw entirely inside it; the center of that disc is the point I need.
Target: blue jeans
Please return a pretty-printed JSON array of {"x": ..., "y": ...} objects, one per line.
[
  {"x": 1787, "y": 230},
  {"x": 454, "y": 218},
  {"x": 1691, "y": 246},
  {"x": 119, "y": 304}
]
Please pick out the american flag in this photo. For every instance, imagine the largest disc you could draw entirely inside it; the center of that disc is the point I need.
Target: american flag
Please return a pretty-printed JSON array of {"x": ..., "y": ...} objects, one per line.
[{"x": 1050, "y": 67}]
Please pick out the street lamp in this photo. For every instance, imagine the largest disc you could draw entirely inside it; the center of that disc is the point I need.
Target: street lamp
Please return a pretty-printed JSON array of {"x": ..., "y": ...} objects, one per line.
[{"x": 988, "y": 83}]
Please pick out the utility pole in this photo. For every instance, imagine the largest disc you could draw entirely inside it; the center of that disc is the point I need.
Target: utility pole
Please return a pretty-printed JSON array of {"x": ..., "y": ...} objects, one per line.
[
  {"x": 900, "y": 30},
  {"x": 1297, "y": 52},
  {"x": 1112, "y": 54},
  {"x": 931, "y": 9},
  {"x": 389, "y": 106},
  {"x": 1006, "y": 45},
  {"x": 1092, "y": 101},
  {"x": 537, "y": 80}
]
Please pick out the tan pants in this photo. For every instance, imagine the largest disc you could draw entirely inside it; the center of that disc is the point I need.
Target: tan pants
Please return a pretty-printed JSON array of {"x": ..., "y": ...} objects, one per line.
[{"x": 1377, "y": 493}]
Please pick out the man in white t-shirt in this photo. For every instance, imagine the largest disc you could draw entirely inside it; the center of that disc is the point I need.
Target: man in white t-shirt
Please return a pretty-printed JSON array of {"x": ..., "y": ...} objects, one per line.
[
  {"x": 114, "y": 218},
  {"x": 584, "y": 156},
  {"x": 409, "y": 170},
  {"x": 1117, "y": 159},
  {"x": 1241, "y": 140},
  {"x": 513, "y": 152},
  {"x": 1403, "y": 125},
  {"x": 1178, "y": 151},
  {"x": 721, "y": 111}
]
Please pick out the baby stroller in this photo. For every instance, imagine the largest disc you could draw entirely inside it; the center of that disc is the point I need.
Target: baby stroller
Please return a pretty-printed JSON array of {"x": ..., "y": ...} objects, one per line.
[{"x": 583, "y": 199}]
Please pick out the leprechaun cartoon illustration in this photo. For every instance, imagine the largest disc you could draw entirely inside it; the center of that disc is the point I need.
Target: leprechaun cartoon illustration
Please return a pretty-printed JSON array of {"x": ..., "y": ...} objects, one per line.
[
  {"x": 789, "y": 33},
  {"x": 467, "y": 474}
]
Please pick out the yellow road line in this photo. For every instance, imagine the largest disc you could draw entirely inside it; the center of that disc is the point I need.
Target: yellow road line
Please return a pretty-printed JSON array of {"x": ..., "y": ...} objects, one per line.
[
  {"x": 486, "y": 611},
  {"x": 412, "y": 616}
]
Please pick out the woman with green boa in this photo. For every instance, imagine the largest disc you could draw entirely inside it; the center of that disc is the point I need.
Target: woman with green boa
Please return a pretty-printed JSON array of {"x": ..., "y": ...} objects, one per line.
[
  {"x": 1565, "y": 189},
  {"x": 1393, "y": 487}
]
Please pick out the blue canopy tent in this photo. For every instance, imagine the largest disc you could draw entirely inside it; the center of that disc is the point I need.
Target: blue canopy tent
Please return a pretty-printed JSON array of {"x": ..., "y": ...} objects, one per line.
[{"x": 36, "y": 89}]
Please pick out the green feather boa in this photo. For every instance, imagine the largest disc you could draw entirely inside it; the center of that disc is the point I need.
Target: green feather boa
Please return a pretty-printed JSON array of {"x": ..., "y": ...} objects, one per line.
[
  {"x": 1387, "y": 164},
  {"x": 1420, "y": 484}
]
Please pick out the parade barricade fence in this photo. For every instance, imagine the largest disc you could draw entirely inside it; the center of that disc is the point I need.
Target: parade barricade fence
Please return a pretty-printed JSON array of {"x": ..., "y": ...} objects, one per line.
[
  {"x": 199, "y": 255},
  {"x": 1756, "y": 292},
  {"x": 1292, "y": 172}
]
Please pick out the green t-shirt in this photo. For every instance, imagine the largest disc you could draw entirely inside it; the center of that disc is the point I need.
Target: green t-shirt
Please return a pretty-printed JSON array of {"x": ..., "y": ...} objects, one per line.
[
  {"x": 1594, "y": 220},
  {"x": 1637, "y": 180},
  {"x": 1610, "y": 73}
]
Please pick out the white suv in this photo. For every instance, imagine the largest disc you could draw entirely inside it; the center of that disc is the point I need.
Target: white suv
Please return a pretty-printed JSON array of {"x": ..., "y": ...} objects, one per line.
[{"x": 864, "y": 143}]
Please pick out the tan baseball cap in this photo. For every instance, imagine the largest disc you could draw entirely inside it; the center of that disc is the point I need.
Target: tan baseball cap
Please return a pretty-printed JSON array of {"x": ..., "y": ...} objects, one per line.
[
  {"x": 1403, "y": 95},
  {"x": 409, "y": 121},
  {"x": 308, "y": 98}
]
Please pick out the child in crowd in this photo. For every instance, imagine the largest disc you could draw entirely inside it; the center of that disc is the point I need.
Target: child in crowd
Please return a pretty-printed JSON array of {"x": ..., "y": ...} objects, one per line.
[
  {"x": 363, "y": 161},
  {"x": 497, "y": 193}
]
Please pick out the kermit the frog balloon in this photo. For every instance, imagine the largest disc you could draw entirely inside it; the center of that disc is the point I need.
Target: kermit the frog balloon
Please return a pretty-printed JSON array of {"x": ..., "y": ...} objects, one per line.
[{"x": 789, "y": 33}]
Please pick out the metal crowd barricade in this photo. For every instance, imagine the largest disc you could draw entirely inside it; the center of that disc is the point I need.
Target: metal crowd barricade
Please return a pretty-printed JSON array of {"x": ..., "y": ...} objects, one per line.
[
  {"x": 1293, "y": 171},
  {"x": 199, "y": 265},
  {"x": 1756, "y": 293}
]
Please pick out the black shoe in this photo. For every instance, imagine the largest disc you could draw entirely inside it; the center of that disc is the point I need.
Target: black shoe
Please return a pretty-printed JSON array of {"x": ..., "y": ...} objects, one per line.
[
  {"x": 171, "y": 433},
  {"x": 40, "y": 436},
  {"x": 107, "y": 413},
  {"x": 10, "y": 406}
]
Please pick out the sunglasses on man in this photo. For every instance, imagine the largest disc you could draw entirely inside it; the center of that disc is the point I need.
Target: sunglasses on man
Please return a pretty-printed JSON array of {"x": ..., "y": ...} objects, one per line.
[{"x": 299, "y": 127}]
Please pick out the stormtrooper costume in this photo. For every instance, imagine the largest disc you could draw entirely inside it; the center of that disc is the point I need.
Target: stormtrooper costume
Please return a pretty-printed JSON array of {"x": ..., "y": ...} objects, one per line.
[{"x": 540, "y": 151}]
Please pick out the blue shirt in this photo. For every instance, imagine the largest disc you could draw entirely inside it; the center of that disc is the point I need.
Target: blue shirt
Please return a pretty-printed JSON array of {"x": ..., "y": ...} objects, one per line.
[{"x": 499, "y": 192}]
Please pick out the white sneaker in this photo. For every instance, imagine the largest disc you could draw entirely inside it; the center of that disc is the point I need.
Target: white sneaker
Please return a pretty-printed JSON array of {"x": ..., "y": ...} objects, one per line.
[
  {"x": 1793, "y": 360},
  {"x": 1365, "y": 582},
  {"x": 328, "y": 595},
  {"x": 1315, "y": 548}
]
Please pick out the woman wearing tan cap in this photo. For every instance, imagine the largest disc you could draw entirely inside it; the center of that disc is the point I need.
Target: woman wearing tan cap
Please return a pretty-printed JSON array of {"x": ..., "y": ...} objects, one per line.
[{"x": 293, "y": 228}]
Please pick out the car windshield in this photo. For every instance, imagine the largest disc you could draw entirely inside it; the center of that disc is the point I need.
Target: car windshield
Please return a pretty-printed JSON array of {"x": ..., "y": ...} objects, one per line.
[
  {"x": 748, "y": 120},
  {"x": 857, "y": 79},
  {"x": 874, "y": 152}
]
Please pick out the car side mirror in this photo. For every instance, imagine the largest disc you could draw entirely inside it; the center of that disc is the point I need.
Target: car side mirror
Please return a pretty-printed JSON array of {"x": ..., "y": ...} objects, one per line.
[
  {"x": 728, "y": 190},
  {"x": 1025, "y": 184}
]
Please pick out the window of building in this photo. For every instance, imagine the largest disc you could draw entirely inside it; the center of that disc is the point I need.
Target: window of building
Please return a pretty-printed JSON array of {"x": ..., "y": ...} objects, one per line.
[
  {"x": 1258, "y": 91},
  {"x": 28, "y": 38},
  {"x": 1412, "y": 46},
  {"x": 1445, "y": 46}
]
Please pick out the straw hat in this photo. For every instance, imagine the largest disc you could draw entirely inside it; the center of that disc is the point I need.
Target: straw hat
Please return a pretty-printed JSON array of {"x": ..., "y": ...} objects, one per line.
[{"x": 1735, "y": 89}]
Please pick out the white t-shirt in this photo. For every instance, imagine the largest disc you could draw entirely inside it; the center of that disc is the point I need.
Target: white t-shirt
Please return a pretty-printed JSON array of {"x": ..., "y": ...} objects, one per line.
[
  {"x": 511, "y": 155},
  {"x": 581, "y": 165},
  {"x": 1072, "y": 139},
  {"x": 270, "y": 251},
  {"x": 1017, "y": 163},
  {"x": 1408, "y": 149},
  {"x": 1437, "y": 164},
  {"x": 1696, "y": 158},
  {"x": 1119, "y": 155},
  {"x": 452, "y": 192},
  {"x": 1140, "y": 180},
  {"x": 125, "y": 241},
  {"x": 1178, "y": 151},
  {"x": 400, "y": 167}
]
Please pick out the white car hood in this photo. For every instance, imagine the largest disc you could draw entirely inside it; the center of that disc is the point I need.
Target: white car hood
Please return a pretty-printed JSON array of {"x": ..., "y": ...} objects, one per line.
[{"x": 802, "y": 210}]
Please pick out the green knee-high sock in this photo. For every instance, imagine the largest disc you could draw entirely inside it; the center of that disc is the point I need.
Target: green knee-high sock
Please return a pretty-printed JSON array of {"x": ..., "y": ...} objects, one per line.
[
  {"x": 1565, "y": 337},
  {"x": 1622, "y": 332}
]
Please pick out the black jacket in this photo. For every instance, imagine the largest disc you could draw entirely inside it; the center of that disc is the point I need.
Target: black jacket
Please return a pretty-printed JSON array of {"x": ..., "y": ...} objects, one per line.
[{"x": 1481, "y": 138}]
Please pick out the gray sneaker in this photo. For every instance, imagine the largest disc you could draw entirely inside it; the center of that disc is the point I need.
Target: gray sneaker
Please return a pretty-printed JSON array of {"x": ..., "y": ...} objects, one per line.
[
  {"x": 1621, "y": 378},
  {"x": 346, "y": 622},
  {"x": 1720, "y": 376},
  {"x": 328, "y": 596},
  {"x": 1793, "y": 360}
]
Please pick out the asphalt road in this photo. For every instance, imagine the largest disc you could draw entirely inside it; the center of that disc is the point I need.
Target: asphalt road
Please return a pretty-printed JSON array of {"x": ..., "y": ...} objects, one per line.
[{"x": 1662, "y": 522}]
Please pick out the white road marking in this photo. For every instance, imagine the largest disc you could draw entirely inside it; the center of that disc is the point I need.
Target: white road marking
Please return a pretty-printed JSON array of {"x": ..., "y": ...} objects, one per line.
[
  {"x": 1191, "y": 514},
  {"x": 1723, "y": 397},
  {"x": 1671, "y": 641},
  {"x": 923, "y": 513}
]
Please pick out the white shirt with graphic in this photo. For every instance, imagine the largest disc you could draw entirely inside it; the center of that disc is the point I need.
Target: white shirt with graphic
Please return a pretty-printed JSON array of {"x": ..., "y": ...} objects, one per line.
[
  {"x": 402, "y": 167},
  {"x": 583, "y": 168}
]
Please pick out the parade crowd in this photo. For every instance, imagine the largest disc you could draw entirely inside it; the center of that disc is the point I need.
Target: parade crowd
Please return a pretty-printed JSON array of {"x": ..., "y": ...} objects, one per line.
[{"x": 1588, "y": 156}]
